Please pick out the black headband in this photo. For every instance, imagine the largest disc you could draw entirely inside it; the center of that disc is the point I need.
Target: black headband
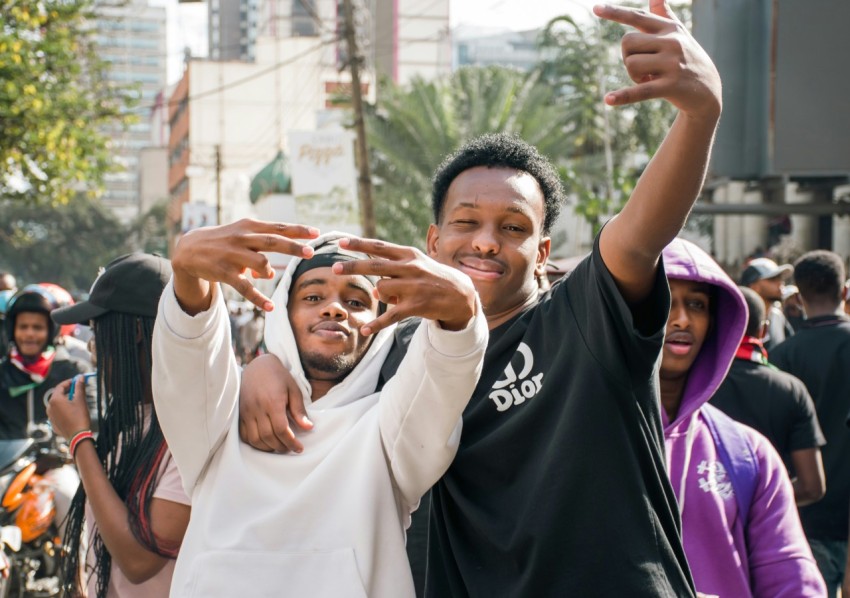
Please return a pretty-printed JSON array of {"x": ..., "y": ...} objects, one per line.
[{"x": 327, "y": 255}]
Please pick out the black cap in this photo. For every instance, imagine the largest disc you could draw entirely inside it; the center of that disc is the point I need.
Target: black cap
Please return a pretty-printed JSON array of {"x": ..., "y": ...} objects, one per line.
[
  {"x": 326, "y": 255},
  {"x": 130, "y": 284}
]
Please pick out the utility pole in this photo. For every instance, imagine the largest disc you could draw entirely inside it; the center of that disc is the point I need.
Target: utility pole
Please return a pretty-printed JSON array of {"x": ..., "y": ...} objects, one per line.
[
  {"x": 218, "y": 184},
  {"x": 364, "y": 178}
]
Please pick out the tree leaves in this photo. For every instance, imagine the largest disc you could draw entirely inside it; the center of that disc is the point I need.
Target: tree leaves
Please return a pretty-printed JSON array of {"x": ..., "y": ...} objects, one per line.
[
  {"x": 55, "y": 100},
  {"x": 415, "y": 128}
]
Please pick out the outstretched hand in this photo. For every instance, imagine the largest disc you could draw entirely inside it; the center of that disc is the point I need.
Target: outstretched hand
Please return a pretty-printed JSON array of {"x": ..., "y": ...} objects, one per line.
[
  {"x": 226, "y": 253},
  {"x": 411, "y": 284},
  {"x": 664, "y": 60}
]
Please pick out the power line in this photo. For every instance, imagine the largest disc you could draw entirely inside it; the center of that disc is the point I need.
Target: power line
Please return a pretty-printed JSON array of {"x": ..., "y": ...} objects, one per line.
[{"x": 241, "y": 81}]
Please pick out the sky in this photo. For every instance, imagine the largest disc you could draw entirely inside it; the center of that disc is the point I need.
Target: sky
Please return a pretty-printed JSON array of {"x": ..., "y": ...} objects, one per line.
[
  {"x": 517, "y": 15},
  {"x": 187, "y": 22}
]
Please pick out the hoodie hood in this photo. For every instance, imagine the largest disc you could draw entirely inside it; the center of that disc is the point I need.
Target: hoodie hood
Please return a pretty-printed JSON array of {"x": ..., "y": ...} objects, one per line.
[
  {"x": 280, "y": 341},
  {"x": 685, "y": 261}
]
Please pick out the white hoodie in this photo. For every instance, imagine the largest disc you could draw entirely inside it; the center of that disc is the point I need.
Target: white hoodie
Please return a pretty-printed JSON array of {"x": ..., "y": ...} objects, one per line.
[{"x": 329, "y": 522}]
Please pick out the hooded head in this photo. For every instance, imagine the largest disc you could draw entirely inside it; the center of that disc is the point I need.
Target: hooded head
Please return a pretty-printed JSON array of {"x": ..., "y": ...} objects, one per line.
[
  {"x": 315, "y": 326},
  {"x": 700, "y": 348}
]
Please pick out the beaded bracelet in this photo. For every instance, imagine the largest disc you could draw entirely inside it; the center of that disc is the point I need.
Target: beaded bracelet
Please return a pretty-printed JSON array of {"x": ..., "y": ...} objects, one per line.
[{"x": 77, "y": 439}]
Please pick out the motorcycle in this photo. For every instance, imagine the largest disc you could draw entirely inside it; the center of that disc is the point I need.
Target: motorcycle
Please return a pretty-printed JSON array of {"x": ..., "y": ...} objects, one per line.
[{"x": 30, "y": 543}]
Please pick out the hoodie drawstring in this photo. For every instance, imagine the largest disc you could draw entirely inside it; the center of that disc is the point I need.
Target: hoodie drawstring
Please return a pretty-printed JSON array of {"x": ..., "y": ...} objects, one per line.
[{"x": 689, "y": 447}]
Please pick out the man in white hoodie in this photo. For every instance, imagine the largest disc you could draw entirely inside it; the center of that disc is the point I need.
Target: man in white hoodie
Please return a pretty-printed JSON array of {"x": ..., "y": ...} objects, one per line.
[{"x": 345, "y": 502}]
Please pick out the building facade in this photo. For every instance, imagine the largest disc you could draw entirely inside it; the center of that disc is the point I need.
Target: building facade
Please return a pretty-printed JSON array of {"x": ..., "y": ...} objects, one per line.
[{"x": 132, "y": 38}]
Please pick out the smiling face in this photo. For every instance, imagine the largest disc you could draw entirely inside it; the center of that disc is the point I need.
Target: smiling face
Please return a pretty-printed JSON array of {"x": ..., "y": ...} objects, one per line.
[
  {"x": 491, "y": 228},
  {"x": 687, "y": 327},
  {"x": 31, "y": 331},
  {"x": 326, "y": 312}
]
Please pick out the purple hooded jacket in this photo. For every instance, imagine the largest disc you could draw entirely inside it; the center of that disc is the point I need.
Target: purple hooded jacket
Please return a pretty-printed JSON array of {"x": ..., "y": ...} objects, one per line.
[{"x": 771, "y": 558}]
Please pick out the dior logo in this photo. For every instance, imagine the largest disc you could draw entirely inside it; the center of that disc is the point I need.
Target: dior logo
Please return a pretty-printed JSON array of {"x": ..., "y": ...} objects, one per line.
[{"x": 515, "y": 389}]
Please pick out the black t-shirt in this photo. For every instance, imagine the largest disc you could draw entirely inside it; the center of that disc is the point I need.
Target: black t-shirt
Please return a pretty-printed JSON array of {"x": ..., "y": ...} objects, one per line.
[
  {"x": 819, "y": 355},
  {"x": 559, "y": 487},
  {"x": 773, "y": 402},
  {"x": 13, "y": 410}
]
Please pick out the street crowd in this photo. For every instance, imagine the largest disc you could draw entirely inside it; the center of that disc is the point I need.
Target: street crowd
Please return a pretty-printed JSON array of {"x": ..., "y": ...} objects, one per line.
[{"x": 396, "y": 422}]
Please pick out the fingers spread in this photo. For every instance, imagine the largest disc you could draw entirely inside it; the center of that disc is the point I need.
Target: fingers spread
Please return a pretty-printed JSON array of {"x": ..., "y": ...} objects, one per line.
[
  {"x": 375, "y": 247},
  {"x": 244, "y": 287},
  {"x": 638, "y": 93},
  {"x": 390, "y": 317},
  {"x": 634, "y": 17},
  {"x": 277, "y": 243},
  {"x": 292, "y": 231}
]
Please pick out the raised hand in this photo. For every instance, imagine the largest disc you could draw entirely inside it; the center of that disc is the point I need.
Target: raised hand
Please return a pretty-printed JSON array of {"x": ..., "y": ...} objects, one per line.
[
  {"x": 226, "y": 253},
  {"x": 664, "y": 60},
  {"x": 69, "y": 417},
  {"x": 412, "y": 284}
]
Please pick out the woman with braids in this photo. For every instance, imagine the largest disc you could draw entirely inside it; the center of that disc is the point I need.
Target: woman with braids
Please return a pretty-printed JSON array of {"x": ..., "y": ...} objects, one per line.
[{"x": 131, "y": 500}]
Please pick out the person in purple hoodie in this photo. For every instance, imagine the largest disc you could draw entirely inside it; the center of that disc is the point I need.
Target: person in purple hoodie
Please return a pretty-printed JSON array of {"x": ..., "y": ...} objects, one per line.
[{"x": 740, "y": 527}]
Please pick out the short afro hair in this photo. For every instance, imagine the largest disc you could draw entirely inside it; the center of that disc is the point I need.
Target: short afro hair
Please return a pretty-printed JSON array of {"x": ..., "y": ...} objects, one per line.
[
  {"x": 501, "y": 150},
  {"x": 819, "y": 275}
]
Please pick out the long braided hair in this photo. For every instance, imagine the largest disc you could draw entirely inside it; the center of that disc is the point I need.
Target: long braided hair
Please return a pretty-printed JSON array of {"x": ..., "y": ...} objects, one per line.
[{"x": 130, "y": 450}]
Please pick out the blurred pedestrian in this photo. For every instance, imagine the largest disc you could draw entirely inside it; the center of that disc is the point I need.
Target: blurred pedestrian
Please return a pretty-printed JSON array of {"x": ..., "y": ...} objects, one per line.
[
  {"x": 765, "y": 277},
  {"x": 8, "y": 282},
  {"x": 819, "y": 354},
  {"x": 775, "y": 403}
]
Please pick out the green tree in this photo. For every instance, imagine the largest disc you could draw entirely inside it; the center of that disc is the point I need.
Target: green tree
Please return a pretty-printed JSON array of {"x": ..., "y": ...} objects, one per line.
[
  {"x": 611, "y": 146},
  {"x": 63, "y": 244},
  {"x": 149, "y": 232},
  {"x": 416, "y": 127},
  {"x": 55, "y": 101}
]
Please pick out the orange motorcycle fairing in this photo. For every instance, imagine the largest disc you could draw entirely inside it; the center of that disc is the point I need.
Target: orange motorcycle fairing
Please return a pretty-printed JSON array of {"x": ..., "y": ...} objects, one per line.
[{"x": 14, "y": 495}]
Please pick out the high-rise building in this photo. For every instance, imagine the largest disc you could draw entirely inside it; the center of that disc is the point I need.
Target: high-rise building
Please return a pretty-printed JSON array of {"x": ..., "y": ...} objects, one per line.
[
  {"x": 131, "y": 37},
  {"x": 232, "y": 27},
  {"x": 400, "y": 39}
]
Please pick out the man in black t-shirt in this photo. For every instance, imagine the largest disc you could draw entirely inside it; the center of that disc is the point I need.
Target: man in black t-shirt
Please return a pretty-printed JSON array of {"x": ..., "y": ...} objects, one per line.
[
  {"x": 776, "y": 404},
  {"x": 560, "y": 486},
  {"x": 819, "y": 354}
]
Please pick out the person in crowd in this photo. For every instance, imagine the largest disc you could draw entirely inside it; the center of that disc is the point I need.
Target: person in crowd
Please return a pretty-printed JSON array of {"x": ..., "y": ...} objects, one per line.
[
  {"x": 8, "y": 282},
  {"x": 345, "y": 501},
  {"x": 569, "y": 387},
  {"x": 130, "y": 513},
  {"x": 66, "y": 337},
  {"x": 34, "y": 363},
  {"x": 31, "y": 368},
  {"x": 5, "y": 297},
  {"x": 845, "y": 295},
  {"x": 740, "y": 526},
  {"x": 765, "y": 277},
  {"x": 775, "y": 404},
  {"x": 792, "y": 306},
  {"x": 818, "y": 355}
]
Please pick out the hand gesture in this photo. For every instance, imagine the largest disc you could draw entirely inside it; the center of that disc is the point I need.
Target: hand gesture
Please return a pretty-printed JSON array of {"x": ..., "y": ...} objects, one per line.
[
  {"x": 226, "y": 253},
  {"x": 664, "y": 60},
  {"x": 411, "y": 284},
  {"x": 69, "y": 417}
]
